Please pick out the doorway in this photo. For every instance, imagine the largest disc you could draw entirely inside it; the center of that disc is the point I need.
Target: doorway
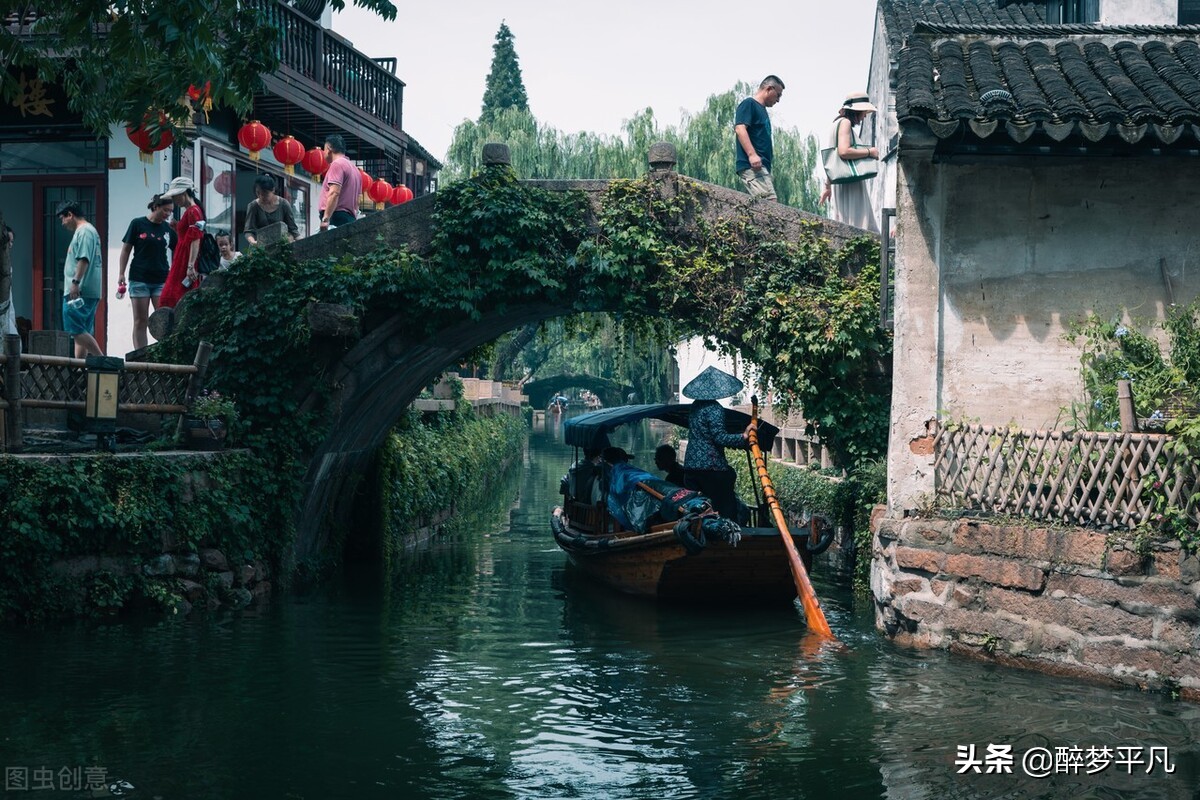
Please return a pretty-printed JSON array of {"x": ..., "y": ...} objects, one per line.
[{"x": 51, "y": 241}]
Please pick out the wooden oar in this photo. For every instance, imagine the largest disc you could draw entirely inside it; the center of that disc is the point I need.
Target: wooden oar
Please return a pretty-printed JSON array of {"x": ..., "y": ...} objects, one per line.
[{"x": 804, "y": 587}]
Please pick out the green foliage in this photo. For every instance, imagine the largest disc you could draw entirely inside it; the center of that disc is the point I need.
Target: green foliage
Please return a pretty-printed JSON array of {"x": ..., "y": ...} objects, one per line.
[
  {"x": 1113, "y": 351},
  {"x": 107, "y": 505},
  {"x": 704, "y": 142},
  {"x": 845, "y": 501},
  {"x": 451, "y": 461},
  {"x": 504, "y": 88},
  {"x": 630, "y": 351},
  {"x": 162, "y": 47},
  {"x": 1166, "y": 392},
  {"x": 212, "y": 405}
]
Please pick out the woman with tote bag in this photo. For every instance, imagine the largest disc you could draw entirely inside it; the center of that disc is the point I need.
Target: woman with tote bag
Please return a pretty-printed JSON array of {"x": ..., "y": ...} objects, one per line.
[{"x": 848, "y": 165}]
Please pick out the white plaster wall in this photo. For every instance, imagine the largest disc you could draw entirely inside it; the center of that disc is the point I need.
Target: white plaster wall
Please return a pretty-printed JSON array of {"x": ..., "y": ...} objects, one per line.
[
  {"x": 883, "y": 187},
  {"x": 995, "y": 260},
  {"x": 1139, "y": 12},
  {"x": 129, "y": 190}
]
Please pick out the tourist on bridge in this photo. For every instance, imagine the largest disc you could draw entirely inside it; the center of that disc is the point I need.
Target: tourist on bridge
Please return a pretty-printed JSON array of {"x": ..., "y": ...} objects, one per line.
[
  {"x": 225, "y": 248},
  {"x": 189, "y": 230},
  {"x": 146, "y": 239},
  {"x": 267, "y": 210},
  {"x": 752, "y": 135},
  {"x": 343, "y": 185},
  {"x": 82, "y": 278},
  {"x": 851, "y": 203},
  {"x": 705, "y": 468}
]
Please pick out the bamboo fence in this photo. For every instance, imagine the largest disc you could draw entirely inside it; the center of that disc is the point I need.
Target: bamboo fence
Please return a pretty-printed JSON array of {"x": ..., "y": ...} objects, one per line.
[
  {"x": 57, "y": 382},
  {"x": 1117, "y": 479}
]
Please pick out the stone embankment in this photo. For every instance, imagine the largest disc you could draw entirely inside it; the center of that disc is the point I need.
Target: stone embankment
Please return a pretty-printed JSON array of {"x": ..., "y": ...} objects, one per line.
[
  {"x": 1066, "y": 601},
  {"x": 181, "y": 580}
]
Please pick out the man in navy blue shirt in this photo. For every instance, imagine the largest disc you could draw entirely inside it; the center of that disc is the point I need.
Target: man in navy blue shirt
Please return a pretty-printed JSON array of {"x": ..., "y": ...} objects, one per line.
[{"x": 752, "y": 129}]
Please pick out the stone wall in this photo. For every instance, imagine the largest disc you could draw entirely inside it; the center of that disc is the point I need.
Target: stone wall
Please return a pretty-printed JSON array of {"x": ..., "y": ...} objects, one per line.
[
  {"x": 1065, "y": 601},
  {"x": 179, "y": 580}
]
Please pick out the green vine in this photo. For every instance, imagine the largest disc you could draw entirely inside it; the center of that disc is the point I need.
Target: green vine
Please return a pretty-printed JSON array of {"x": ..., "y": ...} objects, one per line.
[
  {"x": 57, "y": 510},
  {"x": 449, "y": 461}
]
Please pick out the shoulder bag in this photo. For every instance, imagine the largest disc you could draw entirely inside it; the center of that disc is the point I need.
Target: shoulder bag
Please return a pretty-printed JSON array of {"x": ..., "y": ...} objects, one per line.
[{"x": 838, "y": 169}]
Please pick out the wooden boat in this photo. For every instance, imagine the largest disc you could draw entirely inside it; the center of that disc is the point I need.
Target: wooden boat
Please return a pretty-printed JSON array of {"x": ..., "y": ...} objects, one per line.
[{"x": 656, "y": 563}]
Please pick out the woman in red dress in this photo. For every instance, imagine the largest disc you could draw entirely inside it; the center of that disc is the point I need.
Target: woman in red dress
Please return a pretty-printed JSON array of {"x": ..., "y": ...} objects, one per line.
[{"x": 183, "y": 276}]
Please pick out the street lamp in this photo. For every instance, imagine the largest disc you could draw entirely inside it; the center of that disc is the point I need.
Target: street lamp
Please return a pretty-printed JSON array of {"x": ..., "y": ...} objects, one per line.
[{"x": 103, "y": 389}]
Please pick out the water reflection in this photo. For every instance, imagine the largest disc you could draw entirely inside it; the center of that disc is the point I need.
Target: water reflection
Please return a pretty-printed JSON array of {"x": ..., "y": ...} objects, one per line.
[{"x": 486, "y": 668}]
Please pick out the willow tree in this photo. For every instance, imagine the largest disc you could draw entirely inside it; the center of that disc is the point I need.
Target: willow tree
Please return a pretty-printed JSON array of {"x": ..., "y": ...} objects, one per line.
[{"x": 704, "y": 141}]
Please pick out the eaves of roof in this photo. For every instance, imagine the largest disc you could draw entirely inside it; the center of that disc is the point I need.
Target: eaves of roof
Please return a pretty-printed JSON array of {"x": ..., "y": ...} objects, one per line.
[{"x": 1131, "y": 82}]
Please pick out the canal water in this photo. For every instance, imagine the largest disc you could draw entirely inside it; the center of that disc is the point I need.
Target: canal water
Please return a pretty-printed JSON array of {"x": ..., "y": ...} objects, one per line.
[{"x": 484, "y": 668}]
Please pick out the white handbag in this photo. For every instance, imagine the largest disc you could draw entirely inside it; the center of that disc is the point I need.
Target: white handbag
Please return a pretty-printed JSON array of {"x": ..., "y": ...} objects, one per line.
[{"x": 838, "y": 169}]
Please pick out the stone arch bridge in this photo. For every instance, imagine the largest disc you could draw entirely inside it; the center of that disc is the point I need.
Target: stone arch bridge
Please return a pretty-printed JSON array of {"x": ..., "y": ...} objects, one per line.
[
  {"x": 384, "y": 370},
  {"x": 610, "y": 392}
]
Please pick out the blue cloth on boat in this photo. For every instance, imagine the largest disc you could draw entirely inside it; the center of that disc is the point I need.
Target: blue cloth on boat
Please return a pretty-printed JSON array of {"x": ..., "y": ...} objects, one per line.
[{"x": 633, "y": 507}]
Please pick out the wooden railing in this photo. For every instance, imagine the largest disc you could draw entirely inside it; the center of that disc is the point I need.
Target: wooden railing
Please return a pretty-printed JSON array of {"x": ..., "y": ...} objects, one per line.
[
  {"x": 1118, "y": 479},
  {"x": 330, "y": 62},
  {"x": 56, "y": 382}
]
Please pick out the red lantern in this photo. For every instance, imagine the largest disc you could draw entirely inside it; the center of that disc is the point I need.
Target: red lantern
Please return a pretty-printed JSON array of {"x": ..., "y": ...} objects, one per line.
[
  {"x": 149, "y": 141},
  {"x": 314, "y": 161},
  {"x": 224, "y": 183},
  {"x": 206, "y": 175},
  {"x": 381, "y": 192},
  {"x": 254, "y": 136},
  {"x": 367, "y": 180},
  {"x": 401, "y": 194},
  {"x": 288, "y": 152}
]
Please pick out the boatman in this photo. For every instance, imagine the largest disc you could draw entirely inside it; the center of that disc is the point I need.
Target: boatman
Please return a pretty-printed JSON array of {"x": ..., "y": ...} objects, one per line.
[{"x": 705, "y": 468}]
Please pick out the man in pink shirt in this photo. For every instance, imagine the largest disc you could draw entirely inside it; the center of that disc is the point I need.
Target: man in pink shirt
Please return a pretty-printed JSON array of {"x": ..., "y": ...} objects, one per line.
[{"x": 343, "y": 185}]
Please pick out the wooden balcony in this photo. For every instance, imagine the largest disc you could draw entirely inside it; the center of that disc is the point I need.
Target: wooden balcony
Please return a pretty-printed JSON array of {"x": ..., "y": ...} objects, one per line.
[{"x": 316, "y": 60}]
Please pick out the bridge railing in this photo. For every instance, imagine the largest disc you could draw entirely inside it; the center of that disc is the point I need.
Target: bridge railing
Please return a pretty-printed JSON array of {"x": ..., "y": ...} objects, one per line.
[{"x": 33, "y": 381}]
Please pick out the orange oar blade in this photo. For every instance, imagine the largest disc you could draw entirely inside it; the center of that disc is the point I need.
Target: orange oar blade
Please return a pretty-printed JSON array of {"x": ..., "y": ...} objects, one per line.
[{"x": 804, "y": 588}]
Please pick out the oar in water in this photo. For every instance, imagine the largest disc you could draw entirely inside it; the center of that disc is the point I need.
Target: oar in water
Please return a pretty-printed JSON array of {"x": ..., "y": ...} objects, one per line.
[{"x": 804, "y": 587}]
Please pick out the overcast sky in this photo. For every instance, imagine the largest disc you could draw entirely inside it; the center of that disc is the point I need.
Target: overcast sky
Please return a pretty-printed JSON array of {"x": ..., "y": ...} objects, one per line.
[{"x": 590, "y": 66}]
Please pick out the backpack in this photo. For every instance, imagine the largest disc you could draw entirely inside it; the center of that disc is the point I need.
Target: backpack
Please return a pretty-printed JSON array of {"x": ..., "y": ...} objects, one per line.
[{"x": 209, "y": 258}]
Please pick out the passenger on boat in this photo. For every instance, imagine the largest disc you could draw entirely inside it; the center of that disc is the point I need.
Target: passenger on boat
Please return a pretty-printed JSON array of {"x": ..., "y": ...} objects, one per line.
[
  {"x": 705, "y": 468},
  {"x": 665, "y": 459},
  {"x": 584, "y": 481}
]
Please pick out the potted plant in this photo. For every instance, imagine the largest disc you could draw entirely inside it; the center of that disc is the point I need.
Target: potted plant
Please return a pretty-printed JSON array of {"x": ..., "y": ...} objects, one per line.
[{"x": 208, "y": 424}]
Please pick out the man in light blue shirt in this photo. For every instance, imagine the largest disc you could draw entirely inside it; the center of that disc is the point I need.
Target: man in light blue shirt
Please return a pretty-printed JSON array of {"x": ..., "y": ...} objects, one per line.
[{"x": 83, "y": 280}]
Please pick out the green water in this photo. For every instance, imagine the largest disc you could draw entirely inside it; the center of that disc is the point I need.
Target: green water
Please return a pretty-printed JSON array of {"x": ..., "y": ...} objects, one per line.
[{"x": 487, "y": 669}]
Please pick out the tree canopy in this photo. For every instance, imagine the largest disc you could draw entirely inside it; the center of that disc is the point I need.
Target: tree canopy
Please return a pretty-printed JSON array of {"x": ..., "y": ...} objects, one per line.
[
  {"x": 504, "y": 89},
  {"x": 704, "y": 141},
  {"x": 131, "y": 61}
]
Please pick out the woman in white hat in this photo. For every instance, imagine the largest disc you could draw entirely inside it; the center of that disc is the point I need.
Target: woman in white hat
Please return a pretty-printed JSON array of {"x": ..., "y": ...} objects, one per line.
[
  {"x": 851, "y": 204},
  {"x": 705, "y": 468},
  {"x": 183, "y": 276}
]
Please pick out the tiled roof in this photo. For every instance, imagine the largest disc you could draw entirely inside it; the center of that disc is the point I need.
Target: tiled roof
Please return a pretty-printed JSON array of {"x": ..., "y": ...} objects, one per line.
[
  {"x": 1063, "y": 80},
  {"x": 901, "y": 16}
]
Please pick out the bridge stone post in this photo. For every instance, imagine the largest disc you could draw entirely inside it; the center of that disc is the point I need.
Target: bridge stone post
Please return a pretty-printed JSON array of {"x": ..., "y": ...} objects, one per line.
[
  {"x": 663, "y": 157},
  {"x": 496, "y": 153}
]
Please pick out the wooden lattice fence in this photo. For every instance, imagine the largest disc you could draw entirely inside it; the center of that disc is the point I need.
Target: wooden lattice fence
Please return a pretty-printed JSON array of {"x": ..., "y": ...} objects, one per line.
[
  {"x": 1117, "y": 479},
  {"x": 57, "y": 382}
]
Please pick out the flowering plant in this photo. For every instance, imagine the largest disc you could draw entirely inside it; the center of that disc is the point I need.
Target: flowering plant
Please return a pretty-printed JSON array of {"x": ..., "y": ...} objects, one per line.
[
  {"x": 1113, "y": 351},
  {"x": 214, "y": 406}
]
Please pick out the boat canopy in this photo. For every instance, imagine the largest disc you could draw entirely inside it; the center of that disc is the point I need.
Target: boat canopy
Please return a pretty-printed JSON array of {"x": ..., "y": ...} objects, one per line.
[{"x": 591, "y": 429}]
